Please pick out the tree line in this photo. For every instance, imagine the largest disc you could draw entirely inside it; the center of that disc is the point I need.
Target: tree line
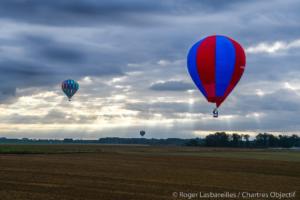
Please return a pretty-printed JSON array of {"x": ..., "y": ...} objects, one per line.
[
  {"x": 261, "y": 140},
  {"x": 218, "y": 139}
]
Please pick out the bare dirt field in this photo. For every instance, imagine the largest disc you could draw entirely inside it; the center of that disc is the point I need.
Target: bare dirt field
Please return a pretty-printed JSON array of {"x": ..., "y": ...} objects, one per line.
[{"x": 102, "y": 172}]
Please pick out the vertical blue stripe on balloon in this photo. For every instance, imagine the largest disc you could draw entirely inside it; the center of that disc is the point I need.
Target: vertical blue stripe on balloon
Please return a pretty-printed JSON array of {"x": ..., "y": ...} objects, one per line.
[
  {"x": 192, "y": 67},
  {"x": 225, "y": 60}
]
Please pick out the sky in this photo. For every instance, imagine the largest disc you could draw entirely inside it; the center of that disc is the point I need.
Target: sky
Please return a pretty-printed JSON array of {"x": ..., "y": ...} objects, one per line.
[{"x": 129, "y": 58}]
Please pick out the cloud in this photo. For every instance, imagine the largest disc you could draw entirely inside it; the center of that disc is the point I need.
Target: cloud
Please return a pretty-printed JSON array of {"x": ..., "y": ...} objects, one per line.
[
  {"x": 62, "y": 54},
  {"x": 7, "y": 94},
  {"x": 275, "y": 47},
  {"x": 171, "y": 86},
  {"x": 16, "y": 74},
  {"x": 45, "y": 61},
  {"x": 91, "y": 12}
]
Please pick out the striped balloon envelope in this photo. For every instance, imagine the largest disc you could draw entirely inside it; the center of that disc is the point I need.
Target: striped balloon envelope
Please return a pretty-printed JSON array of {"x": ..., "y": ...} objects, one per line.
[
  {"x": 216, "y": 64},
  {"x": 69, "y": 87}
]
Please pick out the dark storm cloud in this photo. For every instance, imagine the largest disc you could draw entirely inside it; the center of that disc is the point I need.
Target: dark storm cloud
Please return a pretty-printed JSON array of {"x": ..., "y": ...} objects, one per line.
[
  {"x": 70, "y": 58},
  {"x": 84, "y": 12},
  {"x": 22, "y": 74},
  {"x": 171, "y": 86},
  {"x": 7, "y": 94},
  {"x": 48, "y": 61},
  {"x": 62, "y": 54},
  {"x": 53, "y": 50}
]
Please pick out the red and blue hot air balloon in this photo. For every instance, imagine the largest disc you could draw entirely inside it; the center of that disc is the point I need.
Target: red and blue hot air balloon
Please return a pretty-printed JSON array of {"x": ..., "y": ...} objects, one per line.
[{"x": 216, "y": 64}]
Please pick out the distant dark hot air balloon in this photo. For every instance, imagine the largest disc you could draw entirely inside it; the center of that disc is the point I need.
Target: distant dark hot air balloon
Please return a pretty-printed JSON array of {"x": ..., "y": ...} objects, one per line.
[
  {"x": 142, "y": 133},
  {"x": 216, "y": 64},
  {"x": 69, "y": 87}
]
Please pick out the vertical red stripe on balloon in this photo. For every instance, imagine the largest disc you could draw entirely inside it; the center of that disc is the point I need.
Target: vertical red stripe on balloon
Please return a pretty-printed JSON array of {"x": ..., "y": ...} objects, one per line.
[
  {"x": 206, "y": 64},
  {"x": 240, "y": 62}
]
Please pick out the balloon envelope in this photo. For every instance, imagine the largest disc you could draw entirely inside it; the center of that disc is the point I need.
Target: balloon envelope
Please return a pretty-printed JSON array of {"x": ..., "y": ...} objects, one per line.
[
  {"x": 69, "y": 87},
  {"x": 142, "y": 133},
  {"x": 216, "y": 64}
]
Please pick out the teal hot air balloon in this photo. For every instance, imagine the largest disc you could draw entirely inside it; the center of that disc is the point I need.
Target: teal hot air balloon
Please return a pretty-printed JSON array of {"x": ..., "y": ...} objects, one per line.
[{"x": 69, "y": 87}]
